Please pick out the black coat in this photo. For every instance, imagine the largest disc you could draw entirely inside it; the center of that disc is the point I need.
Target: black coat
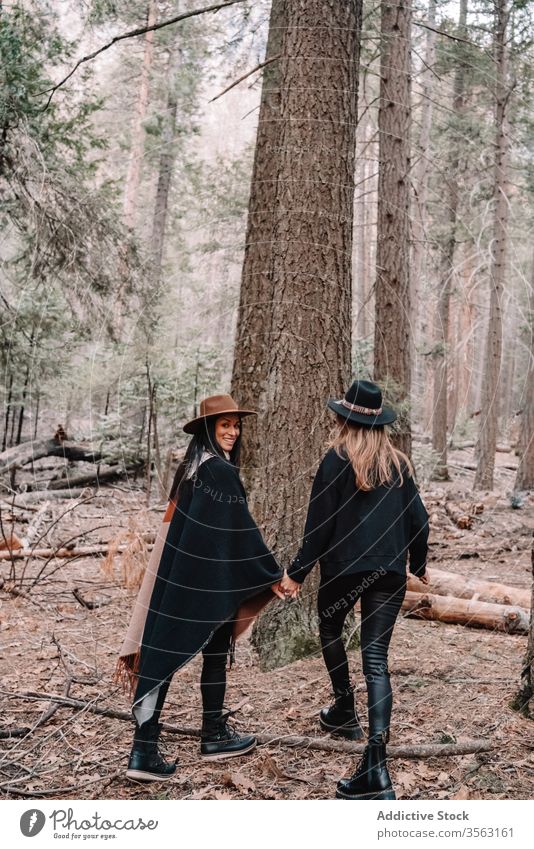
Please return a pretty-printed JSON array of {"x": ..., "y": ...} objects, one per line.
[
  {"x": 350, "y": 531},
  {"x": 214, "y": 559}
]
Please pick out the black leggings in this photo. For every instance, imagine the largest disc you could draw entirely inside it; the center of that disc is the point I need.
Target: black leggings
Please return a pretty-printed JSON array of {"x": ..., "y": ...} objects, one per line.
[
  {"x": 213, "y": 677},
  {"x": 381, "y": 602}
]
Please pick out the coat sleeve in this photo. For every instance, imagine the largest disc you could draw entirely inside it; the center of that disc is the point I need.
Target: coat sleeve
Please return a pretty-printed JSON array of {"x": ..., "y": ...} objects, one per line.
[
  {"x": 320, "y": 523},
  {"x": 418, "y": 530}
]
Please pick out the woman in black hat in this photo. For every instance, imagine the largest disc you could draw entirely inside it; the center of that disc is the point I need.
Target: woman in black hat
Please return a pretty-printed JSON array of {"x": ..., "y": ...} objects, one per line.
[
  {"x": 365, "y": 517},
  {"x": 209, "y": 575}
]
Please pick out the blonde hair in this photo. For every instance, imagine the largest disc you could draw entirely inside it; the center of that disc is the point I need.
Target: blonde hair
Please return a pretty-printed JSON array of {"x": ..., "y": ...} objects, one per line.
[{"x": 371, "y": 453}]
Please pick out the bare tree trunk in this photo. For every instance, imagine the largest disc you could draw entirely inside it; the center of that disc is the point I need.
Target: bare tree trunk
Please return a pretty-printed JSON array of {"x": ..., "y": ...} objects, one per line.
[
  {"x": 420, "y": 263},
  {"x": 392, "y": 288},
  {"x": 525, "y": 471},
  {"x": 8, "y": 410},
  {"x": 487, "y": 438},
  {"x": 131, "y": 192},
  {"x": 151, "y": 389},
  {"x": 441, "y": 344},
  {"x": 361, "y": 239},
  {"x": 37, "y": 409},
  {"x": 252, "y": 337},
  {"x": 307, "y": 320},
  {"x": 165, "y": 171}
]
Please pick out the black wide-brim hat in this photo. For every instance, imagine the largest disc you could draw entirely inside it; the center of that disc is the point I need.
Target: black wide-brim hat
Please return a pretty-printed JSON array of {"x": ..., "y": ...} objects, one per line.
[{"x": 362, "y": 404}]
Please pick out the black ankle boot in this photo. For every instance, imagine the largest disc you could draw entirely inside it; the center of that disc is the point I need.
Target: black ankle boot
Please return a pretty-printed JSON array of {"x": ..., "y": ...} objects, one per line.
[
  {"x": 341, "y": 717},
  {"x": 146, "y": 762},
  {"x": 371, "y": 779},
  {"x": 219, "y": 740}
]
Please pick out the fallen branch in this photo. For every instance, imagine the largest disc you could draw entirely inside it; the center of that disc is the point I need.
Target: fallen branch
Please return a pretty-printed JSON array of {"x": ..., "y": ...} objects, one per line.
[
  {"x": 459, "y": 611},
  {"x": 24, "y": 499},
  {"x": 460, "y": 586},
  {"x": 13, "y": 732},
  {"x": 60, "y": 792},
  {"x": 90, "y": 605},
  {"x": 423, "y": 750},
  {"x": 82, "y": 551}
]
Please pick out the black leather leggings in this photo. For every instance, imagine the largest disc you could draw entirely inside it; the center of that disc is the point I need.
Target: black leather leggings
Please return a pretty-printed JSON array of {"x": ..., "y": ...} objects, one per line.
[
  {"x": 213, "y": 677},
  {"x": 381, "y": 601}
]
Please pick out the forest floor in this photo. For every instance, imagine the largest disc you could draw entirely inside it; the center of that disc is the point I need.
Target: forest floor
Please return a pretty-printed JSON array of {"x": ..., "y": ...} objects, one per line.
[{"x": 449, "y": 681}]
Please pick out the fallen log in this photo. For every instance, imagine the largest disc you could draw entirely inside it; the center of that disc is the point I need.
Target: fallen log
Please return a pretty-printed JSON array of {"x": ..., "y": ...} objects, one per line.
[
  {"x": 462, "y": 514},
  {"x": 26, "y": 452},
  {"x": 24, "y": 499},
  {"x": 94, "y": 478},
  {"x": 416, "y": 750},
  {"x": 471, "y": 467},
  {"x": 459, "y": 611},
  {"x": 460, "y": 586},
  {"x": 81, "y": 551}
]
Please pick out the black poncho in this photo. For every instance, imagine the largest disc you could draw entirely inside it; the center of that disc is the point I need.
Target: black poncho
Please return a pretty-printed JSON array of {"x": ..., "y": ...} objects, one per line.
[{"x": 214, "y": 564}]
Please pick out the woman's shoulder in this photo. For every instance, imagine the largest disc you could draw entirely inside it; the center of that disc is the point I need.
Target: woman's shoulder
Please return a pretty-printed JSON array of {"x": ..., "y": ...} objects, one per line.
[
  {"x": 220, "y": 468},
  {"x": 333, "y": 463}
]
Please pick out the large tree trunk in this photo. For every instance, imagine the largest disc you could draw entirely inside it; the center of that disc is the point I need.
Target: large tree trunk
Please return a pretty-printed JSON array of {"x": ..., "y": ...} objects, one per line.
[
  {"x": 392, "y": 288},
  {"x": 526, "y": 696},
  {"x": 525, "y": 471},
  {"x": 307, "y": 320},
  {"x": 441, "y": 342},
  {"x": 252, "y": 336},
  {"x": 491, "y": 384}
]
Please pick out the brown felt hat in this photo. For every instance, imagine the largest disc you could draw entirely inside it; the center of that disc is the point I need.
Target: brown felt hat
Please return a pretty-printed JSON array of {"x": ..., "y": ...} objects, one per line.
[{"x": 216, "y": 405}]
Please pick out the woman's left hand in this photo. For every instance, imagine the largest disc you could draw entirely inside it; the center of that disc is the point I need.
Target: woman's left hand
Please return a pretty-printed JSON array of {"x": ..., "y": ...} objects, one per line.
[
  {"x": 290, "y": 587},
  {"x": 277, "y": 590}
]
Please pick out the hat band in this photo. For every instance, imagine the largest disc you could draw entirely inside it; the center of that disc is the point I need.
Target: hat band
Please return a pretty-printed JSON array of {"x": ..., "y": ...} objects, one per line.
[{"x": 366, "y": 411}]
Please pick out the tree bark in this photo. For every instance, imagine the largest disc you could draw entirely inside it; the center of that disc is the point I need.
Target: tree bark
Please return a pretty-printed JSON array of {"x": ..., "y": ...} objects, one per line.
[
  {"x": 526, "y": 697},
  {"x": 491, "y": 384},
  {"x": 441, "y": 343},
  {"x": 307, "y": 319},
  {"x": 392, "y": 287},
  {"x": 250, "y": 370}
]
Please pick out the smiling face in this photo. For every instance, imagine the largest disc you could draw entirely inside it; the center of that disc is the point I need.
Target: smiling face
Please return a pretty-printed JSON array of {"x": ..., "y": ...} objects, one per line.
[{"x": 227, "y": 430}]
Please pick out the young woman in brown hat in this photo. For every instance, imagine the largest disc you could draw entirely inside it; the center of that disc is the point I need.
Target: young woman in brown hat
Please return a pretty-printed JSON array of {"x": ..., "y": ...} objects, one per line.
[
  {"x": 209, "y": 575},
  {"x": 365, "y": 517}
]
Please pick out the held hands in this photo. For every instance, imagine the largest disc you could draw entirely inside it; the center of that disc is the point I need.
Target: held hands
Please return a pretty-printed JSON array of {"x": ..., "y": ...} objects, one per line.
[
  {"x": 286, "y": 588},
  {"x": 423, "y": 579}
]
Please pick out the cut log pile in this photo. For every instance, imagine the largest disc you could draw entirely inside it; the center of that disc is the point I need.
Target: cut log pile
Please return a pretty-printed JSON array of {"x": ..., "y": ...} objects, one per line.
[{"x": 473, "y": 602}]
